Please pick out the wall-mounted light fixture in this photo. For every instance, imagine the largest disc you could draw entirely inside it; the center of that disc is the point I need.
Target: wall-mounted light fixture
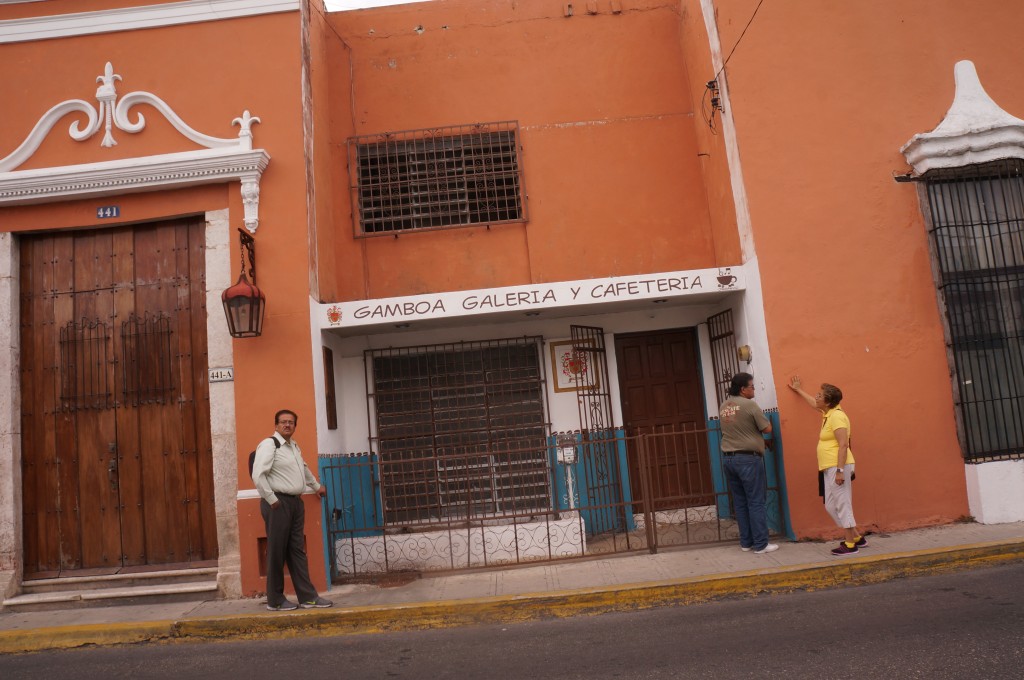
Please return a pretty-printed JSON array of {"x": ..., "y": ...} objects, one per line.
[
  {"x": 243, "y": 302},
  {"x": 744, "y": 354}
]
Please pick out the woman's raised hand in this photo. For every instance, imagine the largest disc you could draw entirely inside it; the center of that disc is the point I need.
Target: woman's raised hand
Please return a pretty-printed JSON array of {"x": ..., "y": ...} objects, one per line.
[{"x": 794, "y": 384}]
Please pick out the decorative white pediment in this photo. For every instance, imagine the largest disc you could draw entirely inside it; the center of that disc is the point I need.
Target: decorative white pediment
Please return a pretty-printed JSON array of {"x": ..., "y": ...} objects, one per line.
[
  {"x": 222, "y": 159},
  {"x": 975, "y": 130},
  {"x": 153, "y": 15}
]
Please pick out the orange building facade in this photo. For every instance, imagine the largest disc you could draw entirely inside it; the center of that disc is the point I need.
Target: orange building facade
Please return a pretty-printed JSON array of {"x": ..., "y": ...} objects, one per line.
[{"x": 483, "y": 228}]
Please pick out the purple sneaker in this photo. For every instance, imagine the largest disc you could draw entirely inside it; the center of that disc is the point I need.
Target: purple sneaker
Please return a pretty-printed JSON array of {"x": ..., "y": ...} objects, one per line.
[{"x": 843, "y": 550}]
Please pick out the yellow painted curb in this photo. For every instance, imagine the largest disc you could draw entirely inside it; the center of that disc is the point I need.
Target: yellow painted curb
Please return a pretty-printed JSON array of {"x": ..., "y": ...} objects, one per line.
[
  {"x": 506, "y": 609},
  {"x": 67, "y": 637},
  {"x": 601, "y": 599}
]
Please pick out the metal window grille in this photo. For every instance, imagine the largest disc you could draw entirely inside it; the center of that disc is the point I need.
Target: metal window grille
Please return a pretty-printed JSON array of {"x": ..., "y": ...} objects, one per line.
[
  {"x": 723, "y": 352},
  {"x": 593, "y": 391},
  {"x": 85, "y": 366},
  {"x": 146, "y": 373},
  {"x": 437, "y": 178},
  {"x": 977, "y": 232},
  {"x": 460, "y": 430}
]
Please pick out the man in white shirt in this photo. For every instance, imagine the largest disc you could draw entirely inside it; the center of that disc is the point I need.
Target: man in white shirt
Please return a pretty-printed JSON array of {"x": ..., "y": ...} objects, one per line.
[{"x": 281, "y": 476}]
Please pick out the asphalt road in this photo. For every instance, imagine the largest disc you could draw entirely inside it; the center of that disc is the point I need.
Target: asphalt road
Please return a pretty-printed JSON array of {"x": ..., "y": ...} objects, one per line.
[{"x": 964, "y": 625}]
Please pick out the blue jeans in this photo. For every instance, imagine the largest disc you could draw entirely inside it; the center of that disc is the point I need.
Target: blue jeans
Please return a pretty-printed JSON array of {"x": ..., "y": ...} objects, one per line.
[{"x": 745, "y": 475}]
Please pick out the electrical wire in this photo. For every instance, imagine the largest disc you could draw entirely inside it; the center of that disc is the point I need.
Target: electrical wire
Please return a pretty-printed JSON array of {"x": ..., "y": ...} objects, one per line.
[
  {"x": 740, "y": 39},
  {"x": 709, "y": 119}
]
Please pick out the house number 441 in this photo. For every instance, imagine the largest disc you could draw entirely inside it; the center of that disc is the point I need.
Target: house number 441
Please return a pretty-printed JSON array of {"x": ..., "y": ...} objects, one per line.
[{"x": 108, "y": 211}]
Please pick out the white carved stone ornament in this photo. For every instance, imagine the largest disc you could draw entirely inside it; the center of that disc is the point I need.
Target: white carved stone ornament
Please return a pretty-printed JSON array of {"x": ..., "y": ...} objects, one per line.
[
  {"x": 975, "y": 130},
  {"x": 222, "y": 159}
]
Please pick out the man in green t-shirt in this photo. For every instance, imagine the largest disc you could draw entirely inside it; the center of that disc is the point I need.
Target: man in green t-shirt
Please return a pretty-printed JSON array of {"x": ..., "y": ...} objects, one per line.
[{"x": 743, "y": 424}]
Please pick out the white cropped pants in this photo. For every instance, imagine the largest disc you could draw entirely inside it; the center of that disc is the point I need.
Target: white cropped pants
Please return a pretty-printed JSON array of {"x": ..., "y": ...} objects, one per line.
[{"x": 839, "y": 497}]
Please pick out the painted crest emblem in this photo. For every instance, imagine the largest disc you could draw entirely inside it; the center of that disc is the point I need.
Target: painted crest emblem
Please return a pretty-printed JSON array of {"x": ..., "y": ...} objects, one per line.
[
  {"x": 574, "y": 365},
  {"x": 334, "y": 315}
]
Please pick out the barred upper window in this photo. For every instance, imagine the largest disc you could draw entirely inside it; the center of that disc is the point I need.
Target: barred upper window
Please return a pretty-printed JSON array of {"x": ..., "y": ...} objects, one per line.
[{"x": 436, "y": 178}]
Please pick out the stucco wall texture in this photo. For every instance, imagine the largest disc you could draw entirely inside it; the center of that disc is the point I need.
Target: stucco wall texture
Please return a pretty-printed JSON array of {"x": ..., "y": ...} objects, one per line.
[
  {"x": 823, "y": 101},
  {"x": 622, "y": 177},
  {"x": 207, "y": 85},
  {"x": 613, "y": 170}
]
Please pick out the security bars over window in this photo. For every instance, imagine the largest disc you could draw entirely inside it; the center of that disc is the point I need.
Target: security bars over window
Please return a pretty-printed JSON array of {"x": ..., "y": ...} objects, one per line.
[
  {"x": 437, "y": 178},
  {"x": 461, "y": 431},
  {"x": 147, "y": 375},
  {"x": 977, "y": 230},
  {"x": 723, "y": 352},
  {"x": 85, "y": 381}
]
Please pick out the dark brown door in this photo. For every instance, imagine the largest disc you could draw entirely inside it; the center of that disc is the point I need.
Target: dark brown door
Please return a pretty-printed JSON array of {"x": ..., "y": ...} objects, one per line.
[
  {"x": 116, "y": 450},
  {"x": 659, "y": 382}
]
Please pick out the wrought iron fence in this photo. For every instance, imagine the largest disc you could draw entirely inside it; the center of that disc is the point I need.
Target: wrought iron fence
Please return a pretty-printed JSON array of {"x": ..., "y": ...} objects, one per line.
[{"x": 609, "y": 493}]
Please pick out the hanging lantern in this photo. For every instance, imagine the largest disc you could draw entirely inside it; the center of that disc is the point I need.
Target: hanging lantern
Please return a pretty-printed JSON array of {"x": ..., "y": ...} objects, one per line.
[{"x": 243, "y": 302}]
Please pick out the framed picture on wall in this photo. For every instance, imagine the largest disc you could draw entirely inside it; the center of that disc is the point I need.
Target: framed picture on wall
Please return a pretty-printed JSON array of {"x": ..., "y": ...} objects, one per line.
[{"x": 572, "y": 368}]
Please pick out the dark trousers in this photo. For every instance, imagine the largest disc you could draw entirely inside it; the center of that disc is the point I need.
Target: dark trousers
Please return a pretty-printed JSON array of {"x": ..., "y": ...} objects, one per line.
[{"x": 285, "y": 545}]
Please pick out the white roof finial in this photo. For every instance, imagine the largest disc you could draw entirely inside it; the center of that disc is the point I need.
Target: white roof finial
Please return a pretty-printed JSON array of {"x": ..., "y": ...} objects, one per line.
[
  {"x": 972, "y": 110},
  {"x": 974, "y": 130}
]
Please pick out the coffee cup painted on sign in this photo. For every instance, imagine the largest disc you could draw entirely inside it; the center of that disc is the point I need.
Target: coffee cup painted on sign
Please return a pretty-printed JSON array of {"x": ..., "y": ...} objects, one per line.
[{"x": 727, "y": 280}]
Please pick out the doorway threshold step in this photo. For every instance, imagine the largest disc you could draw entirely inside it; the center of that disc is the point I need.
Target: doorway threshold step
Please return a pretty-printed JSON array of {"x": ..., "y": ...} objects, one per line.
[
  {"x": 107, "y": 581},
  {"x": 109, "y": 596}
]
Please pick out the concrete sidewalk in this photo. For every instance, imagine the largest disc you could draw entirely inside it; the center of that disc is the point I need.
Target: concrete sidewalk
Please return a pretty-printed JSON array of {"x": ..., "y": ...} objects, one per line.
[{"x": 558, "y": 589}]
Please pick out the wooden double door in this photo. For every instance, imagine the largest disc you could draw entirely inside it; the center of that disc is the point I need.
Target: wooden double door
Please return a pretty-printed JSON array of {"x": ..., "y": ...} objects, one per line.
[
  {"x": 662, "y": 398},
  {"x": 116, "y": 448}
]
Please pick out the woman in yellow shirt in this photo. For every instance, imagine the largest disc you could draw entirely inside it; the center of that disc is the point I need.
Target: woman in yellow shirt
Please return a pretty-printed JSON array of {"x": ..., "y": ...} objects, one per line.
[{"x": 835, "y": 462}]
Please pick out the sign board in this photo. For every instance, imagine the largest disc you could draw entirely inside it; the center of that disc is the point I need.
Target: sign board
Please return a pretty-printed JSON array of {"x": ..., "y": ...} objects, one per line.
[
  {"x": 106, "y": 211},
  {"x": 226, "y": 374},
  {"x": 531, "y": 298}
]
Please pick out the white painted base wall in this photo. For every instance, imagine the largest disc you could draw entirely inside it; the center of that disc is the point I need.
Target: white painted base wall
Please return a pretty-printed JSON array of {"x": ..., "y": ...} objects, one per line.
[
  {"x": 706, "y": 513},
  {"x": 476, "y": 547},
  {"x": 995, "y": 491}
]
